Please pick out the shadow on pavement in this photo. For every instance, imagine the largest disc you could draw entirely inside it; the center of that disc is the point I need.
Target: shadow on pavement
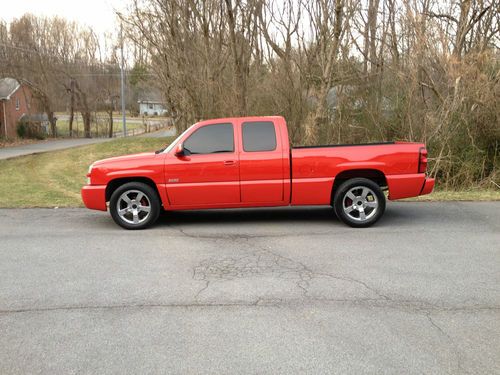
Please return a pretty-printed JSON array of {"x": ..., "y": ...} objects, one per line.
[
  {"x": 393, "y": 216},
  {"x": 249, "y": 215},
  {"x": 401, "y": 216}
]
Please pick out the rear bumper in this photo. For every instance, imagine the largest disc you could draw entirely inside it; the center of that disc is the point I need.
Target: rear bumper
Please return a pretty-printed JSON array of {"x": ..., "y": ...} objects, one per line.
[
  {"x": 428, "y": 186},
  {"x": 94, "y": 197},
  {"x": 409, "y": 185}
]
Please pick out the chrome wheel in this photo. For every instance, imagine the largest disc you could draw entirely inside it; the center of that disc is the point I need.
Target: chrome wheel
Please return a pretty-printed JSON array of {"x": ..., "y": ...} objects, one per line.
[
  {"x": 360, "y": 203},
  {"x": 133, "y": 207}
]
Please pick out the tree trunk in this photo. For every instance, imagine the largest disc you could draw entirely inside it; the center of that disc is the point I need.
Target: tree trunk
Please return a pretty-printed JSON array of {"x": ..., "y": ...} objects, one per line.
[
  {"x": 52, "y": 121},
  {"x": 372, "y": 24},
  {"x": 84, "y": 110},
  {"x": 465, "y": 6},
  {"x": 394, "y": 43},
  {"x": 331, "y": 50},
  {"x": 86, "y": 115},
  {"x": 238, "y": 62}
]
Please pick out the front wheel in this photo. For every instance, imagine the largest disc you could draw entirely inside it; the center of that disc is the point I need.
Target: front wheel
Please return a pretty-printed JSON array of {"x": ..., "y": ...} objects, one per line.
[
  {"x": 359, "y": 202},
  {"x": 134, "y": 205}
]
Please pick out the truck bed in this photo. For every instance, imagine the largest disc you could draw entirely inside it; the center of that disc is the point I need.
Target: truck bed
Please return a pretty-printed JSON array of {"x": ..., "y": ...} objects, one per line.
[
  {"x": 390, "y": 158},
  {"x": 312, "y": 168}
]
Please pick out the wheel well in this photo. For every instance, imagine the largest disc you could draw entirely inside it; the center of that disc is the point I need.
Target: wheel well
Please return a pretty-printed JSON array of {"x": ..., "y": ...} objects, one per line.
[
  {"x": 116, "y": 183},
  {"x": 372, "y": 174}
]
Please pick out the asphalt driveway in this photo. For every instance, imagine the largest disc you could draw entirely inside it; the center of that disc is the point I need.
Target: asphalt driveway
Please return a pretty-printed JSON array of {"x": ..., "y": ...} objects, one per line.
[
  {"x": 252, "y": 291},
  {"x": 46, "y": 146}
]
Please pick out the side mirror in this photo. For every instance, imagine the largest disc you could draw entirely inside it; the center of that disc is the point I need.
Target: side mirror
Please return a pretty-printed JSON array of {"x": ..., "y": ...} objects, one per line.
[{"x": 179, "y": 150}]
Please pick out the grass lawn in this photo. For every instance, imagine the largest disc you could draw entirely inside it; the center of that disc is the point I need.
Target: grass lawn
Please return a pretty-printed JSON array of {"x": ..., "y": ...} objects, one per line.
[
  {"x": 54, "y": 179},
  {"x": 465, "y": 195}
]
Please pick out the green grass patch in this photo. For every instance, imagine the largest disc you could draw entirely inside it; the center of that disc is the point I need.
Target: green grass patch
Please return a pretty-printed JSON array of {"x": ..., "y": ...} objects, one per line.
[
  {"x": 462, "y": 195},
  {"x": 54, "y": 179}
]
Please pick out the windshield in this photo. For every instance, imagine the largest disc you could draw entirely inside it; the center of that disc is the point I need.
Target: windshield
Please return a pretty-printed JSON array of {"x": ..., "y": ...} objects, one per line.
[{"x": 172, "y": 145}]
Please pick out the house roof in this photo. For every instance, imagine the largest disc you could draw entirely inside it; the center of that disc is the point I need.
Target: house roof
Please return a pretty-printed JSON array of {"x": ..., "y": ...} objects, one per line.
[
  {"x": 146, "y": 101},
  {"x": 8, "y": 86},
  {"x": 152, "y": 96}
]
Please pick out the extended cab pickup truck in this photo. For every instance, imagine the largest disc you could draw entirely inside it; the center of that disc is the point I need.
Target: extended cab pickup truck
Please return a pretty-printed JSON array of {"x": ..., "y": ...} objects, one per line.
[{"x": 248, "y": 162}]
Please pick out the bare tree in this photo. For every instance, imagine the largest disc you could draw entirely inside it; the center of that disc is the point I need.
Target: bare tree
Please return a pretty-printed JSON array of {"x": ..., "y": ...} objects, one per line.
[{"x": 338, "y": 70}]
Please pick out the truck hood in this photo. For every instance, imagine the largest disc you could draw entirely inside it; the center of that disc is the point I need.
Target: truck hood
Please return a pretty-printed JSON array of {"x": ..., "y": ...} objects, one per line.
[{"x": 124, "y": 158}]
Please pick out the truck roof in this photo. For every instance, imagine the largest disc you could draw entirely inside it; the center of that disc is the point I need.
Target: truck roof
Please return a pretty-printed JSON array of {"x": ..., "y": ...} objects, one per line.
[{"x": 241, "y": 119}]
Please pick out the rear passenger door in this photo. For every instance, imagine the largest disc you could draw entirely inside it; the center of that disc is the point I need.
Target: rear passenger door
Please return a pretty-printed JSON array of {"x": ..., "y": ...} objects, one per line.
[{"x": 261, "y": 163}]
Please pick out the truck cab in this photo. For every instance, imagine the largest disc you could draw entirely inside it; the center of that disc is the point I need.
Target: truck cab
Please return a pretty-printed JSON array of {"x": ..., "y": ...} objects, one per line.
[{"x": 235, "y": 162}]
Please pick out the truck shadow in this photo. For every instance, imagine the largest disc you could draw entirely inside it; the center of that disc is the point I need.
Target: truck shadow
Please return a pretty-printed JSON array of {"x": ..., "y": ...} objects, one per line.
[
  {"x": 250, "y": 215},
  {"x": 294, "y": 215}
]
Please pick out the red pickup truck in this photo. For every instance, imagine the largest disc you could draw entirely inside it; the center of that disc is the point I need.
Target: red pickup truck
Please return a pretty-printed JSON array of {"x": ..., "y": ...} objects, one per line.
[{"x": 248, "y": 162}]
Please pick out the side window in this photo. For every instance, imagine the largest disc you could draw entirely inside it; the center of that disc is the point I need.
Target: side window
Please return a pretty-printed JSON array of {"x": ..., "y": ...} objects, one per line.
[
  {"x": 211, "y": 139},
  {"x": 259, "y": 136},
  {"x": 18, "y": 104}
]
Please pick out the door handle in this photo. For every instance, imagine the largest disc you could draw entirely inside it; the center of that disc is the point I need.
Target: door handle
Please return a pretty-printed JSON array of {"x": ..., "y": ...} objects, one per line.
[{"x": 229, "y": 162}]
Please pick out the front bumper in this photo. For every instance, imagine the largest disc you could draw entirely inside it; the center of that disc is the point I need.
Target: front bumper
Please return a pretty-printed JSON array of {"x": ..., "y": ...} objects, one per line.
[
  {"x": 94, "y": 197},
  {"x": 428, "y": 186}
]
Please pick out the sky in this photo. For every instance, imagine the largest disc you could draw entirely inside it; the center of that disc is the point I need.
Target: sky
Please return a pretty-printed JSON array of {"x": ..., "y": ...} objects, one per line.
[{"x": 97, "y": 14}]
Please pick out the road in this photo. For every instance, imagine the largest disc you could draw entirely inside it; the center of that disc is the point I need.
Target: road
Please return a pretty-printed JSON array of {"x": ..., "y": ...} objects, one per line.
[
  {"x": 61, "y": 144},
  {"x": 252, "y": 291},
  {"x": 46, "y": 146}
]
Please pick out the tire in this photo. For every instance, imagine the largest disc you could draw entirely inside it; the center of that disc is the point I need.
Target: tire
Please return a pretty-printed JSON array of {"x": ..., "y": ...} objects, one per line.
[
  {"x": 141, "y": 210},
  {"x": 359, "y": 202}
]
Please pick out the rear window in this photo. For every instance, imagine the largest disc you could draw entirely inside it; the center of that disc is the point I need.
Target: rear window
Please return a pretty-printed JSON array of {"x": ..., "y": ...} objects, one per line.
[{"x": 259, "y": 136}]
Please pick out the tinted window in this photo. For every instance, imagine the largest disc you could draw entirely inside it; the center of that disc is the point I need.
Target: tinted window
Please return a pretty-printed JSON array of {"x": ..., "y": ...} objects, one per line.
[
  {"x": 259, "y": 136},
  {"x": 210, "y": 139}
]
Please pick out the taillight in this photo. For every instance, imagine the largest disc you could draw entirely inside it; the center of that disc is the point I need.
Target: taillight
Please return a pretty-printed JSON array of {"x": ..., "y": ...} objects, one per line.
[{"x": 422, "y": 160}]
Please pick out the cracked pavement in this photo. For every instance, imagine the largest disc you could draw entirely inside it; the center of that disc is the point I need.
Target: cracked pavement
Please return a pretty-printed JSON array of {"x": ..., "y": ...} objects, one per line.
[{"x": 252, "y": 291}]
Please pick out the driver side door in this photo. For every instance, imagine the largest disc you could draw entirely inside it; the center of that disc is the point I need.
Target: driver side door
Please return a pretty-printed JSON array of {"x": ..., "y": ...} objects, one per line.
[{"x": 208, "y": 174}]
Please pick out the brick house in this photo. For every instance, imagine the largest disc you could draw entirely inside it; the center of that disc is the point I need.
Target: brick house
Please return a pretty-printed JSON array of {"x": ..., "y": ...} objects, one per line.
[{"x": 16, "y": 101}]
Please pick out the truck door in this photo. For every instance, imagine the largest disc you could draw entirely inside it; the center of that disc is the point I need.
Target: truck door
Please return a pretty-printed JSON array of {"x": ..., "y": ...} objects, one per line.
[
  {"x": 208, "y": 175},
  {"x": 261, "y": 163}
]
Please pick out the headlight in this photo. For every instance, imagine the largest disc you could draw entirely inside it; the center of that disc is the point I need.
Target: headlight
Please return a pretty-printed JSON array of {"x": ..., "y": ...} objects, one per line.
[{"x": 89, "y": 182}]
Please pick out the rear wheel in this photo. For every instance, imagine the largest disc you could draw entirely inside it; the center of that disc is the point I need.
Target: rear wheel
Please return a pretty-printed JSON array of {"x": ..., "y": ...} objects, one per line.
[
  {"x": 359, "y": 202},
  {"x": 134, "y": 205}
]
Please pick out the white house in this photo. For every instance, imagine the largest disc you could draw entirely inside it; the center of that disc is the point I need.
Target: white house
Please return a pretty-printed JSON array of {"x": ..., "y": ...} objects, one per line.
[{"x": 152, "y": 106}]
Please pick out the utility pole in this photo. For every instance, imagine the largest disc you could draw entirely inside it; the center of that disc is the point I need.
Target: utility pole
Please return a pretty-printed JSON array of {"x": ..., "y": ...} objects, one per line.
[{"x": 122, "y": 76}]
